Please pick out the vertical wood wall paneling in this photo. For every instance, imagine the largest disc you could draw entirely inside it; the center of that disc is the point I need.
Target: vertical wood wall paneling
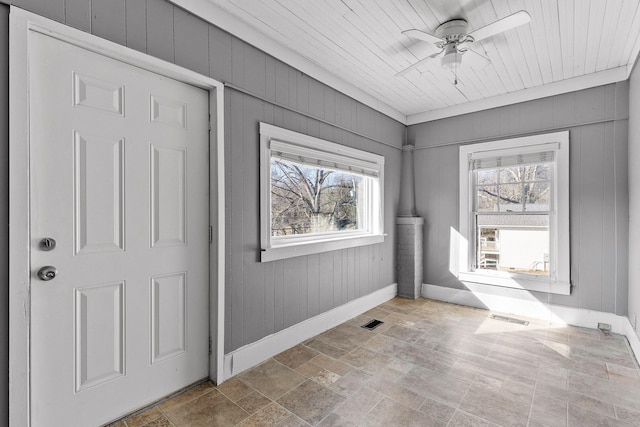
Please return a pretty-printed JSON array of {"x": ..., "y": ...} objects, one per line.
[
  {"x": 255, "y": 70},
  {"x": 237, "y": 61},
  {"x": 302, "y": 92},
  {"x": 191, "y": 38},
  {"x": 351, "y": 273},
  {"x": 220, "y": 54},
  {"x": 598, "y": 186},
  {"x": 326, "y": 282},
  {"x": 235, "y": 179},
  {"x": 136, "y": 18},
  {"x": 621, "y": 184},
  {"x": 282, "y": 83},
  {"x": 52, "y": 9},
  {"x": 269, "y": 298},
  {"x": 278, "y": 279},
  {"x": 447, "y": 193},
  {"x": 160, "y": 35},
  {"x": 338, "y": 282},
  {"x": 316, "y": 98},
  {"x": 303, "y": 286},
  {"x": 313, "y": 284},
  {"x": 78, "y": 14},
  {"x": 253, "y": 271},
  {"x": 365, "y": 270},
  {"x": 4, "y": 214},
  {"x": 270, "y": 78},
  {"x": 609, "y": 237},
  {"x": 291, "y": 281},
  {"x": 591, "y": 216},
  {"x": 108, "y": 20}
]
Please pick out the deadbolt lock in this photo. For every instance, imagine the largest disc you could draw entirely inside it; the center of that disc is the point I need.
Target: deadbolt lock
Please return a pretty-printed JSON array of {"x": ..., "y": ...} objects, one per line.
[
  {"x": 47, "y": 244},
  {"x": 47, "y": 273}
]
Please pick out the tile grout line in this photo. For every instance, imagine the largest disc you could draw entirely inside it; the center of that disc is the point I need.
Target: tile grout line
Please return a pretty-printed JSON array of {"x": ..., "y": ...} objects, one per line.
[{"x": 533, "y": 395}]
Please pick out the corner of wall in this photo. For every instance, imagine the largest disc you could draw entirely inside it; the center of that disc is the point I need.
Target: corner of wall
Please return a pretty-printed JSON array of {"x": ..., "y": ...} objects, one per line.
[{"x": 634, "y": 194}]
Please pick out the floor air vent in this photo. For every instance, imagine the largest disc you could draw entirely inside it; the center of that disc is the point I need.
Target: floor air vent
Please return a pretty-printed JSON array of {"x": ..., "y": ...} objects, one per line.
[
  {"x": 509, "y": 319},
  {"x": 373, "y": 324}
]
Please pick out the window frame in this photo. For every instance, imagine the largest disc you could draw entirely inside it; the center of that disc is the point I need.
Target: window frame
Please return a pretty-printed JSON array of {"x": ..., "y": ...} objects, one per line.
[
  {"x": 558, "y": 280},
  {"x": 274, "y": 248}
]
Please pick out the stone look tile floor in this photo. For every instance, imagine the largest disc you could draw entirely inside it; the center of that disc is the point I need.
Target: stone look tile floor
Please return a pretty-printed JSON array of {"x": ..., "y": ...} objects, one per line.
[{"x": 429, "y": 364}]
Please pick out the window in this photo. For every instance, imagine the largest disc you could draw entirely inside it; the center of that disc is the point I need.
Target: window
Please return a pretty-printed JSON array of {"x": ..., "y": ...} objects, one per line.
[
  {"x": 514, "y": 213},
  {"x": 316, "y": 195}
]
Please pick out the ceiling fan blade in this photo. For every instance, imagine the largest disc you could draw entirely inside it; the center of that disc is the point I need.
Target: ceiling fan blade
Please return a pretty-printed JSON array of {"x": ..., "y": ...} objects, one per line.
[
  {"x": 421, "y": 35},
  {"x": 501, "y": 25},
  {"x": 417, "y": 64}
]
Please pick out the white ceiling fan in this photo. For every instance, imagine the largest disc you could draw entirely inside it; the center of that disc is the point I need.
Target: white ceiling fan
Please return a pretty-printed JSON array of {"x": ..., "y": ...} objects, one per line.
[{"x": 453, "y": 40}]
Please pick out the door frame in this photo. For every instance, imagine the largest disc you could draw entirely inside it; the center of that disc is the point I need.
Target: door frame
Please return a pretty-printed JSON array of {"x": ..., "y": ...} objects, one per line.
[{"x": 21, "y": 25}]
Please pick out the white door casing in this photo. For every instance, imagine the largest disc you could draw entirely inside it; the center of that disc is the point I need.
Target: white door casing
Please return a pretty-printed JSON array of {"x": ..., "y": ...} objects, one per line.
[{"x": 129, "y": 211}]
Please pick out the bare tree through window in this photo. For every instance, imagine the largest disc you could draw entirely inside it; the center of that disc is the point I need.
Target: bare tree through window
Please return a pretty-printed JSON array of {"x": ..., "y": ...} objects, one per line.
[{"x": 307, "y": 199}]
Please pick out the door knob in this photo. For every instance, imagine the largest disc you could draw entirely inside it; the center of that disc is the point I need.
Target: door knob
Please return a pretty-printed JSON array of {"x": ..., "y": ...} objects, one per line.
[{"x": 47, "y": 273}]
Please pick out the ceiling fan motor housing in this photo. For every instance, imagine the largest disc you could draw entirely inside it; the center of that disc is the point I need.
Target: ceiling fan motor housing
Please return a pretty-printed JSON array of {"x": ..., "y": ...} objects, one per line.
[{"x": 452, "y": 31}]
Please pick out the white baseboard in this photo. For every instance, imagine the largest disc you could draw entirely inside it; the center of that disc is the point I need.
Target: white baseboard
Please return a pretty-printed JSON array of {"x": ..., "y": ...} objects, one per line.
[
  {"x": 261, "y": 350},
  {"x": 524, "y": 304},
  {"x": 633, "y": 339}
]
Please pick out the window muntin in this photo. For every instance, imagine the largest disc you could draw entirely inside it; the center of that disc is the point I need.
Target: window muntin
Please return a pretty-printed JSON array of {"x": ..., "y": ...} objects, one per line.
[{"x": 316, "y": 195}]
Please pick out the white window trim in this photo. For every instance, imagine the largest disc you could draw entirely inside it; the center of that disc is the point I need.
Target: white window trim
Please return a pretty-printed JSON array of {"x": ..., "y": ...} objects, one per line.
[
  {"x": 274, "y": 249},
  {"x": 558, "y": 281}
]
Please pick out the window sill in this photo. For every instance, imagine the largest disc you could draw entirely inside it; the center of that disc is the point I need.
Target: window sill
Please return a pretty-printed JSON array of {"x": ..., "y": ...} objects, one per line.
[
  {"x": 538, "y": 284},
  {"x": 309, "y": 248}
]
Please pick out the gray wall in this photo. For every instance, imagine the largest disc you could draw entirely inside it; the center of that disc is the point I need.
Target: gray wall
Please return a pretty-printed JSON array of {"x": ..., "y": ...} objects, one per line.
[
  {"x": 597, "y": 119},
  {"x": 634, "y": 197},
  {"x": 4, "y": 214},
  {"x": 262, "y": 298}
]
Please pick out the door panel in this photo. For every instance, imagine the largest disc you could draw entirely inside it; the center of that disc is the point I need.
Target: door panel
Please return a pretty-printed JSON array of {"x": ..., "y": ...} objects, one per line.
[
  {"x": 98, "y": 194},
  {"x": 99, "y": 334},
  {"x": 168, "y": 327},
  {"x": 119, "y": 178},
  {"x": 168, "y": 196}
]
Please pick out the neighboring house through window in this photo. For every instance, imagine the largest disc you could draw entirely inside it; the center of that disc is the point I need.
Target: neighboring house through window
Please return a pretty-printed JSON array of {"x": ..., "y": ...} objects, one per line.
[
  {"x": 514, "y": 213},
  {"x": 316, "y": 195}
]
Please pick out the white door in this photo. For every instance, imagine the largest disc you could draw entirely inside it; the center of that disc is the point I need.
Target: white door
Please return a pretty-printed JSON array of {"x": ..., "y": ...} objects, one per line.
[{"x": 119, "y": 179}]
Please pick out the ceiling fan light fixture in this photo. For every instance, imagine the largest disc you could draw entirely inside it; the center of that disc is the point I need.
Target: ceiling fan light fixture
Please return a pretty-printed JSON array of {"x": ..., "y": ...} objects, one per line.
[{"x": 452, "y": 58}]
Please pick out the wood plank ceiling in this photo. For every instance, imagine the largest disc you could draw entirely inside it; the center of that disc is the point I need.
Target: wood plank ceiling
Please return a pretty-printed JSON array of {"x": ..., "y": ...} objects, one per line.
[{"x": 360, "y": 42}]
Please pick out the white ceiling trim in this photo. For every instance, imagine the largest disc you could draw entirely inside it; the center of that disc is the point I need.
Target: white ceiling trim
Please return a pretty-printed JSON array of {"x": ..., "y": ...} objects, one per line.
[
  {"x": 224, "y": 20},
  {"x": 612, "y": 75}
]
